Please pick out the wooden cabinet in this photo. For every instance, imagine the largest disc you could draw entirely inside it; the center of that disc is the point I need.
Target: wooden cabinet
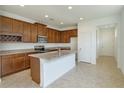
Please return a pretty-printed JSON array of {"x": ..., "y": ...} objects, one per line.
[
  {"x": 53, "y": 35},
  {"x": 0, "y": 24},
  {"x": 73, "y": 33},
  {"x": 7, "y": 64},
  {"x": 33, "y": 33},
  {"x": 6, "y": 24},
  {"x": 41, "y": 30},
  {"x": 18, "y": 62},
  {"x": 17, "y": 26},
  {"x": 13, "y": 63},
  {"x": 35, "y": 70},
  {"x": 0, "y": 67},
  {"x": 27, "y": 61},
  {"x": 66, "y": 35},
  {"x": 49, "y": 35},
  {"x": 57, "y": 37},
  {"x": 26, "y": 32}
]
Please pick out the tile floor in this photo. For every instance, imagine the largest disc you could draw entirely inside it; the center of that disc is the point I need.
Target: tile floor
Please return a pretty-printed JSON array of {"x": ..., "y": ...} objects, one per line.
[{"x": 104, "y": 74}]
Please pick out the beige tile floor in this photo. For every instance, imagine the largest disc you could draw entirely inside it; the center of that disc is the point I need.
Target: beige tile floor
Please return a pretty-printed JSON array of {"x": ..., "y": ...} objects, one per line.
[{"x": 103, "y": 74}]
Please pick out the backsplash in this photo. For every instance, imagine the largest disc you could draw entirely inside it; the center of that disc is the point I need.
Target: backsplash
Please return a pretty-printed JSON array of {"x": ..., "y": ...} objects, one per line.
[{"x": 14, "y": 46}]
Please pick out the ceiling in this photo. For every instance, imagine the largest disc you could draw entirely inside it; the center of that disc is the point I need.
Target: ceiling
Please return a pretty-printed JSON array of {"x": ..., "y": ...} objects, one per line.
[{"x": 60, "y": 13}]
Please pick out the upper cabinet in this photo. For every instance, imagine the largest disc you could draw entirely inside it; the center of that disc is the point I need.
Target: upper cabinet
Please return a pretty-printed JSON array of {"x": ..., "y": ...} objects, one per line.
[
  {"x": 29, "y": 32},
  {"x": 17, "y": 26},
  {"x": 41, "y": 29},
  {"x": 26, "y": 32},
  {"x": 67, "y": 34},
  {"x": 64, "y": 37},
  {"x": 57, "y": 36},
  {"x": 53, "y": 35},
  {"x": 33, "y": 33},
  {"x": 6, "y": 24},
  {"x": 73, "y": 33}
]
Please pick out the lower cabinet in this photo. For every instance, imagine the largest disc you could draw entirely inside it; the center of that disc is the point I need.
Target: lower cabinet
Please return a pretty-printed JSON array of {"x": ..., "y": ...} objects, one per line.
[
  {"x": 14, "y": 63},
  {"x": 19, "y": 62},
  {"x": 27, "y": 61},
  {"x": 7, "y": 64},
  {"x": 0, "y": 67},
  {"x": 35, "y": 70}
]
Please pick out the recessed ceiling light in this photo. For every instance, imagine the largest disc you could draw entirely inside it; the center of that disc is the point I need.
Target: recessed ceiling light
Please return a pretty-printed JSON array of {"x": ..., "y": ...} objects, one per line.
[
  {"x": 81, "y": 18},
  {"x": 61, "y": 23},
  {"x": 70, "y": 7},
  {"x": 22, "y": 5},
  {"x": 46, "y": 16}
]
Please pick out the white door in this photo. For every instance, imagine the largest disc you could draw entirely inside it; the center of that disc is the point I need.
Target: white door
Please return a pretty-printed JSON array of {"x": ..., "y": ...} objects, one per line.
[
  {"x": 84, "y": 47},
  {"x": 107, "y": 40}
]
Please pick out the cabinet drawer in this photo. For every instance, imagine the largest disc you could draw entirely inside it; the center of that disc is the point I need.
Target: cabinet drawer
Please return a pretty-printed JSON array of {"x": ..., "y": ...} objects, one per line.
[{"x": 19, "y": 55}]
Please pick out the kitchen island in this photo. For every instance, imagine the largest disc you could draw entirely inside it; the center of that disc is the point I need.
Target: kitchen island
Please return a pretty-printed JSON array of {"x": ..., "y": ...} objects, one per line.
[{"x": 47, "y": 67}]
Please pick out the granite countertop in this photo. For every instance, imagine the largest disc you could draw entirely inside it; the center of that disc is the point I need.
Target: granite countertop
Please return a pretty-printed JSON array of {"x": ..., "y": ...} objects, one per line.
[
  {"x": 10, "y": 52},
  {"x": 52, "y": 55}
]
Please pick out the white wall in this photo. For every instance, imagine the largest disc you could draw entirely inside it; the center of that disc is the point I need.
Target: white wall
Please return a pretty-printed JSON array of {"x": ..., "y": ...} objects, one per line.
[
  {"x": 87, "y": 49},
  {"x": 116, "y": 44},
  {"x": 121, "y": 43}
]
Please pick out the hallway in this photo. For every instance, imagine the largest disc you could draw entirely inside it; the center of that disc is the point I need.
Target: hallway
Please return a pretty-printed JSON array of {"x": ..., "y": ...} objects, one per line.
[{"x": 102, "y": 75}]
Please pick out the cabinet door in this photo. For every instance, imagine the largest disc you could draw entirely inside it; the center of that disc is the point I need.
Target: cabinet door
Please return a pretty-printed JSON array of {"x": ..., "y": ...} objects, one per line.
[
  {"x": 42, "y": 30},
  {"x": 27, "y": 61},
  {"x": 0, "y": 67},
  {"x": 53, "y": 36},
  {"x": 0, "y": 24},
  {"x": 63, "y": 37},
  {"x": 19, "y": 62},
  {"x": 73, "y": 33},
  {"x": 50, "y": 35},
  {"x": 33, "y": 33},
  {"x": 6, "y": 24},
  {"x": 17, "y": 26},
  {"x": 7, "y": 65},
  {"x": 26, "y": 32},
  {"x": 35, "y": 70},
  {"x": 58, "y": 37}
]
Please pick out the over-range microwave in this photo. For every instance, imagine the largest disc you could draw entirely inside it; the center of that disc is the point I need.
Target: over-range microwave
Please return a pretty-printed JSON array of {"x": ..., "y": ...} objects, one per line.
[{"x": 42, "y": 39}]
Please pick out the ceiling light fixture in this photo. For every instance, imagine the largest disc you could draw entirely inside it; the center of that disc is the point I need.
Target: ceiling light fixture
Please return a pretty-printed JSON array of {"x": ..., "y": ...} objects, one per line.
[
  {"x": 46, "y": 16},
  {"x": 70, "y": 7},
  {"x": 81, "y": 18},
  {"x": 61, "y": 23}
]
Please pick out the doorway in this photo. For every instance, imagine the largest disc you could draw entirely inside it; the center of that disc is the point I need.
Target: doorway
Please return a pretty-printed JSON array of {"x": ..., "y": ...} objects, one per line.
[{"x": 106, "y": 41}]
